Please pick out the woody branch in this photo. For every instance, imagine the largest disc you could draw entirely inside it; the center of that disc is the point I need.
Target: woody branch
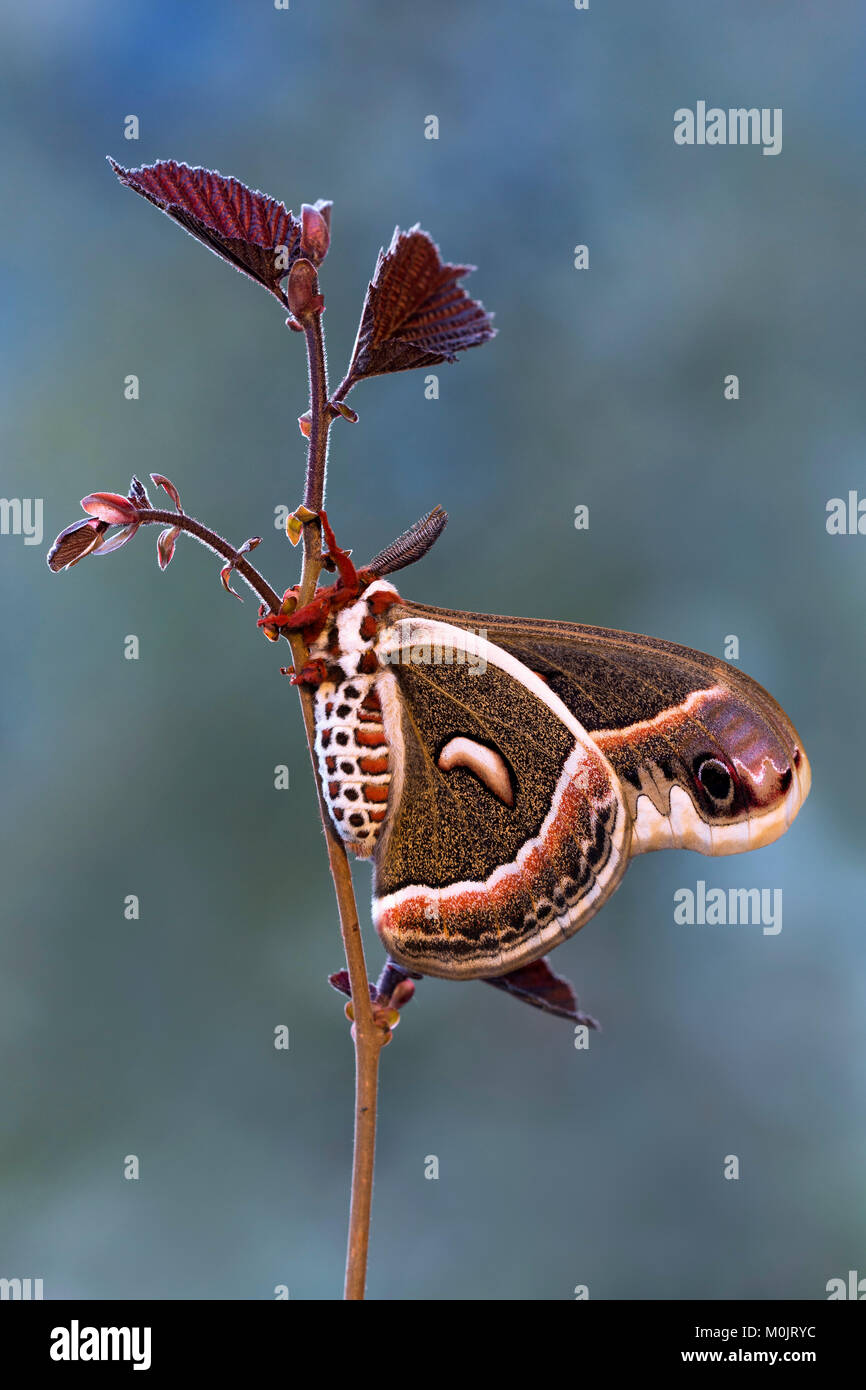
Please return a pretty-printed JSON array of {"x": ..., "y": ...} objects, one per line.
[{"x": 307, "y": 305}]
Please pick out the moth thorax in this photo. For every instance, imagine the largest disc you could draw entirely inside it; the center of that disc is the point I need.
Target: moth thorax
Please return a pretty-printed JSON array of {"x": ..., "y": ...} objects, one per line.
[{"x": 353, "y": 759}]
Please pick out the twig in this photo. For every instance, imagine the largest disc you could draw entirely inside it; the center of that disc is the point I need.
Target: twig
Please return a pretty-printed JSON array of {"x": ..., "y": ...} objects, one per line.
[
  {"x": 411, "y": 282},
  {"x": 368, "y": 1037},
  {"x": 148, "y": 516}
]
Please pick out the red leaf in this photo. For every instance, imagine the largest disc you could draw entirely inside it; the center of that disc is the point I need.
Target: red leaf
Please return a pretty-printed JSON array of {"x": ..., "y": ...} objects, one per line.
[
  {"x": 78, "y": 540},
  {"x": 415, "y": 314},
  {"x": 110, "y": 507},
  {"x": 225, "y": 576},
  {"x": 537, "y": 984},
  {"x": 251, "y": 231},
  {"x": 340, "y": 982}
]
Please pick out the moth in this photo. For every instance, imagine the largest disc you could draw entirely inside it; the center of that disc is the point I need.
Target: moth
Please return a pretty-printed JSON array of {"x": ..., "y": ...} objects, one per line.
[{"x": 501, "y": 773}]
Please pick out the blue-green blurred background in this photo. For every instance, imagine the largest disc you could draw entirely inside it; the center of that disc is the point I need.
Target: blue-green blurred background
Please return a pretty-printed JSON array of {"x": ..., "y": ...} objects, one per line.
[{"x": 156, "y": 777}]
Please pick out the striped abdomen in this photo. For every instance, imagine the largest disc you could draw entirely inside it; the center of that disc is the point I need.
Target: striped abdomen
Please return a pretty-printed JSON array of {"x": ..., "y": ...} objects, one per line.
[{"x": 353, "y": 759}]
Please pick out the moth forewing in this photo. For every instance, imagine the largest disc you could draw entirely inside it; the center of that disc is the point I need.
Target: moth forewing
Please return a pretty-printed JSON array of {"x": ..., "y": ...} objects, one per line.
[
  {"x": 707, "y": 759},
  {"x": 506, "y": 827}
]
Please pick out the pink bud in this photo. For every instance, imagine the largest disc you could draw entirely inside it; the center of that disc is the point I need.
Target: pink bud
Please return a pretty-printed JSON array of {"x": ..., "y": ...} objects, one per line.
[
  {"x": 315, "y": 231},
  {"x": 302, "y": 289},
  {"x": 110, "y": 507},
  {"x": 305, "y": 424},
  {"x": 137, "y": 495},
  {"x": 165, "y": 546},
  {"x": 325, "y": 207}
]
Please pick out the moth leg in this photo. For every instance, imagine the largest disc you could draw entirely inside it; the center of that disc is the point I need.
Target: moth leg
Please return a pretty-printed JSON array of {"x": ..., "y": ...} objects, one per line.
[
  {"x": 311, "y": 673},
  {"x": 392, "y": 980}
]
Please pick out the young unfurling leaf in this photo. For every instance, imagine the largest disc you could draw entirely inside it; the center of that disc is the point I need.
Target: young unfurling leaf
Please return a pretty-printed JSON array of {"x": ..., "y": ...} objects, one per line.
[
  {"x": 225, "y": 580},
  {"x": 159, "y": 480},
  {"x": 137, "y": 494},
  {"x": 110, "y": 507},
  {"x": 88, "y": 537},
  {"x": 78, "y": 540},
  {"x": 117, "y": 540},
  {"x": 226, "y": 571}
]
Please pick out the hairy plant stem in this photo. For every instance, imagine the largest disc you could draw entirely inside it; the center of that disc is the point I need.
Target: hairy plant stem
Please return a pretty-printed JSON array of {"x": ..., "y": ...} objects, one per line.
[
  {"x": 368, "y": 1037},
  {"x": 157, "y": 516}
]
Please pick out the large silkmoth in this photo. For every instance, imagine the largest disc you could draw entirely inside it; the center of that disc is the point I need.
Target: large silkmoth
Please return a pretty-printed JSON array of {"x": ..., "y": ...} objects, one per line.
[{"x": 500, "y": 773}]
